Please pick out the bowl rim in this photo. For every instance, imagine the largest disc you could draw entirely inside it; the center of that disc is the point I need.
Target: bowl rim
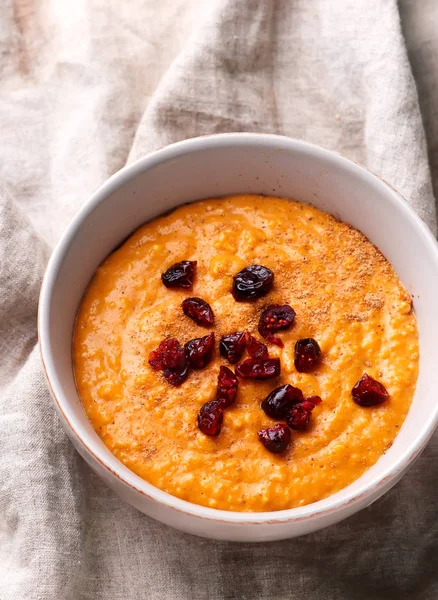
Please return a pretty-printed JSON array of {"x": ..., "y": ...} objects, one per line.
[{"x": 115, "y": 468}]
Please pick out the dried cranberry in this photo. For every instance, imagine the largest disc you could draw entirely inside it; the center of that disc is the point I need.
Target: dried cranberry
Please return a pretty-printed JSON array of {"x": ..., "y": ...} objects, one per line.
[
  {"x": 276, "y": 439},
  {"x": 180, "y": 274},
  {"x": 232, "y": 346},
  {"x": 314, "y": 400},
  {"x": 255, "y": 348},
  {"x": 226, "y": 386},
  {"x": 307, "y": 355},
  {"x": 275, "y": 318},
  {"x": 280, "y": 401},
  {"x": 199, "y": 351},
  {"x": 210, "y": 417},
  {"x": 169, "y": 355},
  {"x": 299, "y": 416},
  {"x": 176, "y": 376},
  {"x": 170, "y": 358},
  {"x": 252, "y": 282},
  {"x": 369, "y": 392},
  {"x": 258, "y": 368},
  {"x": 198, "y": 310}
]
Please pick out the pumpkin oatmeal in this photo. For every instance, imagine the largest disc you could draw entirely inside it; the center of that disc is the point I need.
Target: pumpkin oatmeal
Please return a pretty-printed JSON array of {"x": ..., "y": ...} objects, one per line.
[{"x": 329, "y": 307}]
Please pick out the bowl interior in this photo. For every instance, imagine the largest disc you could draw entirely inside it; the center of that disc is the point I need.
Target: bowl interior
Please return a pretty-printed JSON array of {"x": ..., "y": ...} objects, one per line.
[{"x": 233, "y": 164}]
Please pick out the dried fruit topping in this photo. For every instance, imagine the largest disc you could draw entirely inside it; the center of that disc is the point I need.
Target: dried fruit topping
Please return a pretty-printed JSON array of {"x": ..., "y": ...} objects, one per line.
[
  {"x": 307, "y": 355},
  {"x": 170, "y": 358},
  {"x": 210, "y": 417},
  {"x": 258, "y": 368},
  {"x": 275, "y": 318},
  {"x": 276, "y": 439},
  {"x": 299, "y": 416},
  {"x": 212, "y": 413},
  {"x": 180, "y": 274},
  {"x": 280, "y": 401},
  {"x": 199, "y": 351},
  {"x": 255, "y": 348},
  {"x": 252, "y": 282},
  {"x": 176, "y": 376},
  {"x": 232, "y": 346},
  {"x": 226, "y": 386},
  {"x": 198, "y": 310},
  {"x": 314, "y": 400},
  {"x": 369, "y": 392}
]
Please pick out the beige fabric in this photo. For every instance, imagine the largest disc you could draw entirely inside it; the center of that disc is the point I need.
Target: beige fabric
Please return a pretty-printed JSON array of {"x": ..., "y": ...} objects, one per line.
[{"x": 87, "y": 85}]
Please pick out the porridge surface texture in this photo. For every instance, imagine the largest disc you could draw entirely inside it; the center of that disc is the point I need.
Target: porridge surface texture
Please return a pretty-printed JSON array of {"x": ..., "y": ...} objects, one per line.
[{"x": 346, "y": 296}]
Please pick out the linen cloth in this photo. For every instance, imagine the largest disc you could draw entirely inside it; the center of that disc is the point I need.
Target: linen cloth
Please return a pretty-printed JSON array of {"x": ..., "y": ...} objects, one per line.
[{"x": 86, "y": 86}]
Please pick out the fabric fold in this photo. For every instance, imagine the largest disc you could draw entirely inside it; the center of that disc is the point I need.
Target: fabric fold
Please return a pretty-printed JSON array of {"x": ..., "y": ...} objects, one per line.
[{"x": 23, "y": 256}]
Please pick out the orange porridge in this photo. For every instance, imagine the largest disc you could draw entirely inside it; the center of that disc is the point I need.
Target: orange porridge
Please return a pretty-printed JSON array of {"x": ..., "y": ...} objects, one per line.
[{"x": 345, "y": 295}]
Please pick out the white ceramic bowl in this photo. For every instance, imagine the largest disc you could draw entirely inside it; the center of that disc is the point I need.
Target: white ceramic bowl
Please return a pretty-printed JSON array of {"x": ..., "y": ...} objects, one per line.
[{"x": 216, "y": 166}]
